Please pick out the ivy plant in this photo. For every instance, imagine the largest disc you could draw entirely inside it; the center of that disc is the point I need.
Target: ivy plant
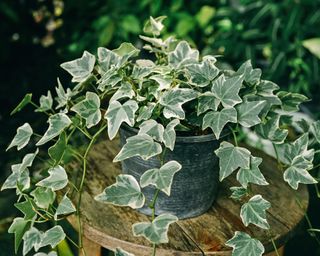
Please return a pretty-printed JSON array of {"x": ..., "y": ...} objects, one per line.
[{"x": 175, "y": 91}]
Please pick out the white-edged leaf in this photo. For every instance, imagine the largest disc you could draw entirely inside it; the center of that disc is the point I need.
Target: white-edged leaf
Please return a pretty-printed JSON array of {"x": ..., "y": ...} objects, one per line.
[
  {"x": 146, "y": 111},
  {"x": 183, "y": 55},
  {"x": 161, "y": 178},
  {"x": 45, "y": 103},
  {"x": 108, "y": 59},
  {"x": 238, "y": 192},
  {"x": 153, "y": 129},
  {"x": 57, "y": 179},
  {"x": 43, "y": 197},
  {"x": 124, "y": 91},
  {"x": 63, "y": 97},
  {"x": 164, "y": 82},
  {"x": 139, "y": 145},
  {"x": 245, "y": 245},
  {"x": 216, "y": 120},
  {"x": 315, "y": 130},
  {"x": 154, "y": 25},
  {"x": 53, "y": 237},
  {"x": 65, "y": 207},
  {"x": 207, "y": 101},
  {"x": 125, "y": 192},
  {"x": 89, "y": 109},
  {"x": 57, "y": 124},
  {"x": 31, "y": 239},
  {"x": 248, "y": 112},
  {"x": 157, "y": 230},
  {"x": 291, "y": 101},
  {"x": 251, "y": 76},
  {"x": 22, "y": 137},
  {"x": 53, "y": 253},
  {"x": 231, "y": 157},
  {"x": 254, "y": 211},
  {"x": 169, "y": 134},
  {"x": 117, "y": 114},
  {"x": 18, "y": 227}
]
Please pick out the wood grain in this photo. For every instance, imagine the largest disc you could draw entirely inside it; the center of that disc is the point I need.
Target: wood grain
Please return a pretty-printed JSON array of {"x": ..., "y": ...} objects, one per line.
[{"x": 110, "y": 226}]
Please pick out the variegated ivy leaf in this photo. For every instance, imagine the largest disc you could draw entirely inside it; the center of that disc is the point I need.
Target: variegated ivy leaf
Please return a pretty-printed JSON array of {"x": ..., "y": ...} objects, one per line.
[
  {"x": 27, "y": 208},
  {"x": 238, "y": 193},
  {"x": 124, "y": 91},
  {"x": 53, "y": 253},
  {"x": 57, "y": 179},
  {"x": 109, "y": 80},
  {"x": 217, "y": 120},
  {"x": 117, "y": 114},
  {"x": 126, "y": 51},
  {"x": 297, "y": 172},
  {"x": 315, "y": 130},
  {"x": 53, "y": 237},
  {"x": 139, "y": 145},
  {"x": 18, "y": 227},
  {"x": 120, "y": 252},
  {"x": 154, "y": 25},
  {"x": 22, "y": 137},
  {"x": 164, "y": 82},
  {"x": 248, "y": 112},
  {"x": 146, "y": 111},
  {"x": 153, "y": 129},
  {"x": 291, "y": 101},
  {"x": 63, "y": 96},
  {"x": 227, "y": 90},
  {"x": 108, "y": 59},
  {"x": 207, "y": 101},
  {"x": 43, "y": 197},
  {"x": 231, "y": 158},
  {"x": 80, "y": 68},
  {"x": 161, "y": 178},
  {"x": 202, "y": 74},
  {"x": 252, "y": 174},
  {"x": 89, "y": 109},
  {"x": 173, "y": 100},
  {"x": 57, "y": 124},
  {"x": 254, "y": 211},
  {"x": 183, "y": 55},
  {"x": 31, "y": 239},
  {"x": 125, "y": 192},
  {"x": 251, "y": 76},
  {"x": 157, "y": 230},
  {"x": 271, "y": 130},
  {"x": 142, "y": 69},
  {"x": 57, "y": 151},
  {"x": 169, "y": 134},
  {"x": 24, "y": 102},
  {"x": 45, "y": 103},
  {"x": 243, "y": 244},
  {"x": 65, "y": 207}
]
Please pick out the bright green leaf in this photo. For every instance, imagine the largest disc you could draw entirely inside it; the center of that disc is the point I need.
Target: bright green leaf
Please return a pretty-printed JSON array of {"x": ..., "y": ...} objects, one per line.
[
  {"x": 57, "y": 179},
  {"x": 248, "y": 112},
  {"x": 22, "y": 137}
]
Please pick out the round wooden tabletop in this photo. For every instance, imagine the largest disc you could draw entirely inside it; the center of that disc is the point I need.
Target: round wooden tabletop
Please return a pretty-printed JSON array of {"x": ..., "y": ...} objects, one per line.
[{"x": 110, "y": 226}]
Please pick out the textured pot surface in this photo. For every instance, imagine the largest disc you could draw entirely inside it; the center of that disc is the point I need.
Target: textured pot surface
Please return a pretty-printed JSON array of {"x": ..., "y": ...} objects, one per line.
[{"x": 194, "y": 187}]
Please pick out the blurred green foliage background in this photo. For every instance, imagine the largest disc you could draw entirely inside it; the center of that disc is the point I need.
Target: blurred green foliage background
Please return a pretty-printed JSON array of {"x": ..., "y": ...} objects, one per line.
[{"x": 281, "y": 37}]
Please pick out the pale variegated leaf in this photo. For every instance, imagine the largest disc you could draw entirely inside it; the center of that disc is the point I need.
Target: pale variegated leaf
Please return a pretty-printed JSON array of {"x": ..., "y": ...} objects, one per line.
[
  {"x": 153, "y": 129},
  {"x": 174, "y": 99},
  {"x": 63, "y": 97},
  {"x": 53, "y": 253},
  {"x": 53, "y": 237},
  {"x": 43, "y": 197},
  {"x": 89, "y": 109},
  {"x": 57, "y": 179},
  {"x": 245, "y": 245},
  {"x": 216, "y": 120},
  {"x": 31, "y": 239},
  {"x": 57, "y": 124},
  {"x": 124, "y": 91},
  {"x": 161, "y": 178},
  {"x": 157, "y": 230},
  {"x": 154, "y": 25},
  {"x": 117, "y": 114},
  {"x": 45, "y": 103},
  {"x": 227, "y": 90},
  {"x": 183, "y": 55},
  {"x": 142, "y": 69},
  {"x": 291, "y": 101},
  {"x": 22, "y": 137},
  {"x": 315, "y": 130},
  {"x": 120, "y": 252},
  {"x": 231, "y": 157},
  {"x": 139, "y": 145},
  {"x": 164, "y": 82},
  {"x": 251, "y": 76},
  {"x": 248, "y": 112},
  {"x": 254, "y": 211},
  {"x": 18, "y": 227},
  {"x": 169, "y": 134},
  {"x": 64, "y": 207},
  {"x": 108, "y": 59},
  {"x": 207, "y": 101},
  {"x": 146, "y": 112},
  {"x": 57, "y": 151},
  {"x": 238, "y": 193},
  {"x": 125, "y": 192}
]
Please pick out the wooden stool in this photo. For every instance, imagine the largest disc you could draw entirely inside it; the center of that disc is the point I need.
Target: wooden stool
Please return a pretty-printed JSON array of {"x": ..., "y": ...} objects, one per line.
[{"x": 110, "y": 226}]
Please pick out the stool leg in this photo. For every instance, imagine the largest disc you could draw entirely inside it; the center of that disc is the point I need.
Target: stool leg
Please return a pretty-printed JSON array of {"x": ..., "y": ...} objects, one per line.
[{"x": 91, "y": 248}]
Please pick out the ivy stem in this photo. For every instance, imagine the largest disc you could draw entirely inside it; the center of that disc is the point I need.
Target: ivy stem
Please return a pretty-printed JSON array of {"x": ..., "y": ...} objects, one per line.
[
  {"x": 234, "y": 137},
  {"x": 273, "y": 243}
]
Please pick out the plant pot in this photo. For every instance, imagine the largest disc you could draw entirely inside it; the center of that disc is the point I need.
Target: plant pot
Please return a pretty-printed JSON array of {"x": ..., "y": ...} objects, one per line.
[{"x": 194, "y": 187}]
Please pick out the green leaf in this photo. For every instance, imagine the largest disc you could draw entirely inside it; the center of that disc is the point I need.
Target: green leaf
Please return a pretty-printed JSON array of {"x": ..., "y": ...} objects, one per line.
[
  {"x": 139, "y": 145},
  {"x": 22, "y": 137},
  {"x": 155, "y": 231},
  {"x": 313, "y": 45},
  {"x": 89, "y": 109},
  {"x": 125, "y": 192},
  {"x": 202, "y": 74},
  {"x": 173, "y": 100},
  {"x": 19, "y": 226},
  {"x": 238, "y": 193},
  {"x": 124, "y": 91},
  {"x": 53, "y": 237},
  {"x": 248, "y": 112},
  {"x": 146, "y": 111},
  {"x": 81, "y": 68},
  {"x": 205, "y": 14},
  {"x": 252, "y": 174},
  {"x": 45, "y": 103},
  {"x": 254, "y": 211},
  {"x": 217, "y": 120},
  {"x": 63, "y": 97},
  {"x": 57, "y": 151},
  {"x": 31, "y": 239},
  {"x": 57, "y": 179},
  {"x": 43, "y": 197},
  {"x": 57, "y": 124},
  {"x": 227, "y": 90},
  {"x": 291, "y": 101},
  {"x": 231, "y": 157},
  {"x": 161, "y": 178},
  {"x": 251, "y": 76},
  {"x": 25, "y": 101},
  {"x": 117, "y": 114},
  {"x": 65, "y": 207},
  {"x": 183, "y": 55},
  {"x": 243, "y": 244},
  {"x": 153, "y": 129},
  {"x": 154, "y": 25},
  {"x": 315, "y": 130},
  {"x": 207, "y": 101},
  {"x": 169, "y": 134},
  {"x": 26, "y": 208},
  {"x": 120, "y": 252}
]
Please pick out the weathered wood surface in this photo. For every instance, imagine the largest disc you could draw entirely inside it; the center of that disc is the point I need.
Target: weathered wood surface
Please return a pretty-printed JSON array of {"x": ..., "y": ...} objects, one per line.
[{"x": 110, "y": 226}]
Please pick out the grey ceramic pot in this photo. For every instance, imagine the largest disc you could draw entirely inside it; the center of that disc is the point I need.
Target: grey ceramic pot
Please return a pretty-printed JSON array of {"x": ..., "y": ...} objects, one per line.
[{"x": 194, "y": 187}]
